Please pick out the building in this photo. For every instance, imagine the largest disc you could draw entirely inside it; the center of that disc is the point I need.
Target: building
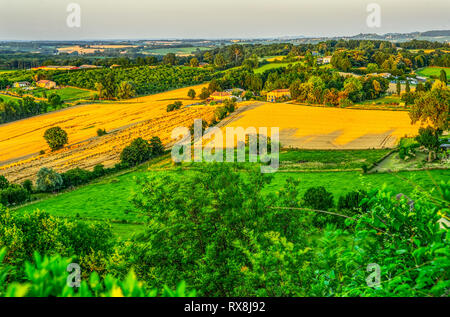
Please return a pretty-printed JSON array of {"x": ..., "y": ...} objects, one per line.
[
  {"x": 46, "y": 84},
  {"x": 273, "y": 96},
  {"x": 326, "y": 59},
  {"x": 21, "y": 84},
  {"x": 221, "y": 95}
]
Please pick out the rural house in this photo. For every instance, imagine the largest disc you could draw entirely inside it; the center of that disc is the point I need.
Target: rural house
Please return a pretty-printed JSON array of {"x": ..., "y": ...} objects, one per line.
[
  {"x": 21, "y": 84},
  {"x": 221, "y": 95},
  {"x": 326, "y": 60},
  {"x": 46, "y": 84},
  {"x": 274, "y": 95}
]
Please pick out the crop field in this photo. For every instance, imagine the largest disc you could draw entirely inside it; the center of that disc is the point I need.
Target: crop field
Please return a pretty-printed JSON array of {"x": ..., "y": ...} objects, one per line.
[
  {"x": 433, "y": 71},
  {"x": 21, "y": 141},
  {"x": 263, "y": 68},
  {"x": 179, "y": 51},
  {"x": 308, "y": 127},
  {"x": 108, "y": 199}
]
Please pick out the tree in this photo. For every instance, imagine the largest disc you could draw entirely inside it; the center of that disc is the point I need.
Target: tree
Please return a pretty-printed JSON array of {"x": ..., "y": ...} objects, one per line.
[
  {"x": 318, "y": 198},
  {"x": 194, "y": 62},
  {"x": 100, "y": 89},
  {"x": 191, "y": 93},
  {"x": 56, "y": 138},
  {"x": 48, "y": 180},
  {"x": 429, "y": 138},
  {"x": 137, "y": 152},
  {"x": 156, "y": 146},
  {"x": 125, "y": 90},
  {"x": 407, "y": 88},
  {"x": 54, "y": 100},
  {"x": 443, "y": 76},
  {"x": 204, "y": 94},
  {"x": 4, "y": 183},
  {"x": 170, "y": 59},
  {"x": 399, "y": 88},
  {"x": 219, "y": 61},
  {"x": 432, "y": 107}
]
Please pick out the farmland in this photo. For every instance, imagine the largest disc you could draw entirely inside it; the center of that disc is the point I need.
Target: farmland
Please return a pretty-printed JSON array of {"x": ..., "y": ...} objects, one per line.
[
  {"x": 310, "y": 127},
  {"x": 433, "y": 72},
  {"x": 145, "y": 117}
]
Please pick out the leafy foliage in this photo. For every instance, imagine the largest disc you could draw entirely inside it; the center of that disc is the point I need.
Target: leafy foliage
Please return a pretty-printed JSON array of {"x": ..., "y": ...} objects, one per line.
[{"x": 56, "y": 138}]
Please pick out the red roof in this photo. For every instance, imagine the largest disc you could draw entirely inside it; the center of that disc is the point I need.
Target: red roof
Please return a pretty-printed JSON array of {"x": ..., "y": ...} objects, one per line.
[{"x": 221, "y": 94}]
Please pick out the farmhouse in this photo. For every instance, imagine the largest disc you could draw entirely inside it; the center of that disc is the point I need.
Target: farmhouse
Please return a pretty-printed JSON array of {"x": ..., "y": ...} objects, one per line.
[
  {"x": 221, "y": 95},
  {"x": 46, "y": 84},
  {"x": 277, "y": 94},
  {"x": 21, "y": 84},
  {"x": 326, "y": 60}
]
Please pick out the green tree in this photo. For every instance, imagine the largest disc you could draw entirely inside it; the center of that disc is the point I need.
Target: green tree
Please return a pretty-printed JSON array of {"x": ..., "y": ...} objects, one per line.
[
  {"x": 219, "y": 61},
  {"x": 399, "y": 88},
  {"x": 55, "y": 100},
  {"x": 191, "y": 93},
  {"x": 156, "y": 146},
  {"x": 429, "y": 138},
  {"x": 48, "y": 180},
  {"x": 443, "y": 76},
  {"x": 194, "y": 62},
  {"x": 56, "y": 138},
  {"x": 4, "y": 183},
  {"x": 137, "y": 152},
  {"x": 125, "y": 90},
  {"x": 170, "y": 59}
]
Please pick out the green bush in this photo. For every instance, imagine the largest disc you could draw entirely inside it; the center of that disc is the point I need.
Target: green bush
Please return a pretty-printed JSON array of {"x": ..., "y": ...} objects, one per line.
[
  {"x": 352, "y": 201},
  {"x": 318, "y": 198},
  {"x": 4, "y": 183},
  {"x": 137, "y": 152},
  {"x": 48, "y": 180},
  {"x": 56, "y": 138},
  {"x": 13, "y": 194}
]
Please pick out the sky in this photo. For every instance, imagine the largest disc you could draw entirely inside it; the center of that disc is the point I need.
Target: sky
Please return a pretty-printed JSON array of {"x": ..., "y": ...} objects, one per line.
[{"x": 161, "y": 19}]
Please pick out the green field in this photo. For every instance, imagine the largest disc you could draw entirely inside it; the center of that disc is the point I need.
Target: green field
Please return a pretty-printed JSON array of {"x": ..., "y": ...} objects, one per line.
[
  {"x": 8, "y": 98},
  {"x": 176, "y": 50},
  {"x": 433, "y": 72},
  {"x": 329, "y": 159},
  {"x": 67, "y": 94},
  {"x": 109, "y": 198},
  {"x": 263, "y": 68}
]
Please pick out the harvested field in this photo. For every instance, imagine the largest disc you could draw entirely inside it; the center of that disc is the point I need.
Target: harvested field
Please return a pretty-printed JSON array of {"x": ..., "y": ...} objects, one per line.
[
  {"x": 309, "y": 127},
  {"x": 21, "y": 141}
]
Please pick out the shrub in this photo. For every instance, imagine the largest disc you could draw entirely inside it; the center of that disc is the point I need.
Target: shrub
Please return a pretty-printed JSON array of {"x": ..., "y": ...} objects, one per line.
[
  {"x": 56, "y": 138},
  {"x": 55, "y": 100},
  {"x": 48, "y": 180},
  {"x": 99, "y": 170},
  {"x": 75, "y": 177},
  {"x": 101, "y": 132},
  {"x": 174, "y": 106},
  {"x": 191, "y": 93},
  {"x": 4, "y": 183},
  {"x": 220, "y": 113},
  {"x": 318, "y": 198},
  {"x": 137, "y": 152},
  {"x": 13, "y": 194},
  {"x": 157, "y": 148},
  {"x": 28, "y": 185},
  {"x": 352, "y": 201}
]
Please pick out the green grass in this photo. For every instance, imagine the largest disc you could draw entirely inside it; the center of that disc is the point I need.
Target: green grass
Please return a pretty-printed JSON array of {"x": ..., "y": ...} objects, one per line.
[
  {"x": 263, "y": 68},
  {"x": 329, "y": 159},
  {"x": 9, "y": 98},
  {"x": 67, "y": 94},
  {"x": 109, "y": 198},
  {"x": 176, "y": 50},
  {"x": 383, "y": 100},
  {"x": 433, "y": 72}
]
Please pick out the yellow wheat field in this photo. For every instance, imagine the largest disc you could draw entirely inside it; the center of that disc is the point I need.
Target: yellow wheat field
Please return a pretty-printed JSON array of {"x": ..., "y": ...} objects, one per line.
[
  {"x": 326, "y": 128},
  {"x": 21, "y": 141}
]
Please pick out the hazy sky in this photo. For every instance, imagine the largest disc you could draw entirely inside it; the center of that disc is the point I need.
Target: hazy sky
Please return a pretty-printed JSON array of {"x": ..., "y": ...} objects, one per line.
[{"x": 152, "y": 19}]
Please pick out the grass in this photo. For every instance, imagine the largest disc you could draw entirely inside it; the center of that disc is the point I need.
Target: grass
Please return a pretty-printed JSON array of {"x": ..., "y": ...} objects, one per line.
[
  {"x": 109, "y": 198},
  {"x": 263, "y": 68},
  {"x": 67, "y": 94},
  {"x": 176, "y": 50},
  {"x": 9, "y": 98},
  {"x": 329, "y": 159},
  {"x": 433, "y": 72}
]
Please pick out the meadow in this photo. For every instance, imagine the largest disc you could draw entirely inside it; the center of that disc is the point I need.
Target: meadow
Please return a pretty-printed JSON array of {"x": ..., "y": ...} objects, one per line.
[
  {"x": 272, "y": 65},
  {"x": 433, "y": 72},
  {"x": 108, "y": 199}
]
